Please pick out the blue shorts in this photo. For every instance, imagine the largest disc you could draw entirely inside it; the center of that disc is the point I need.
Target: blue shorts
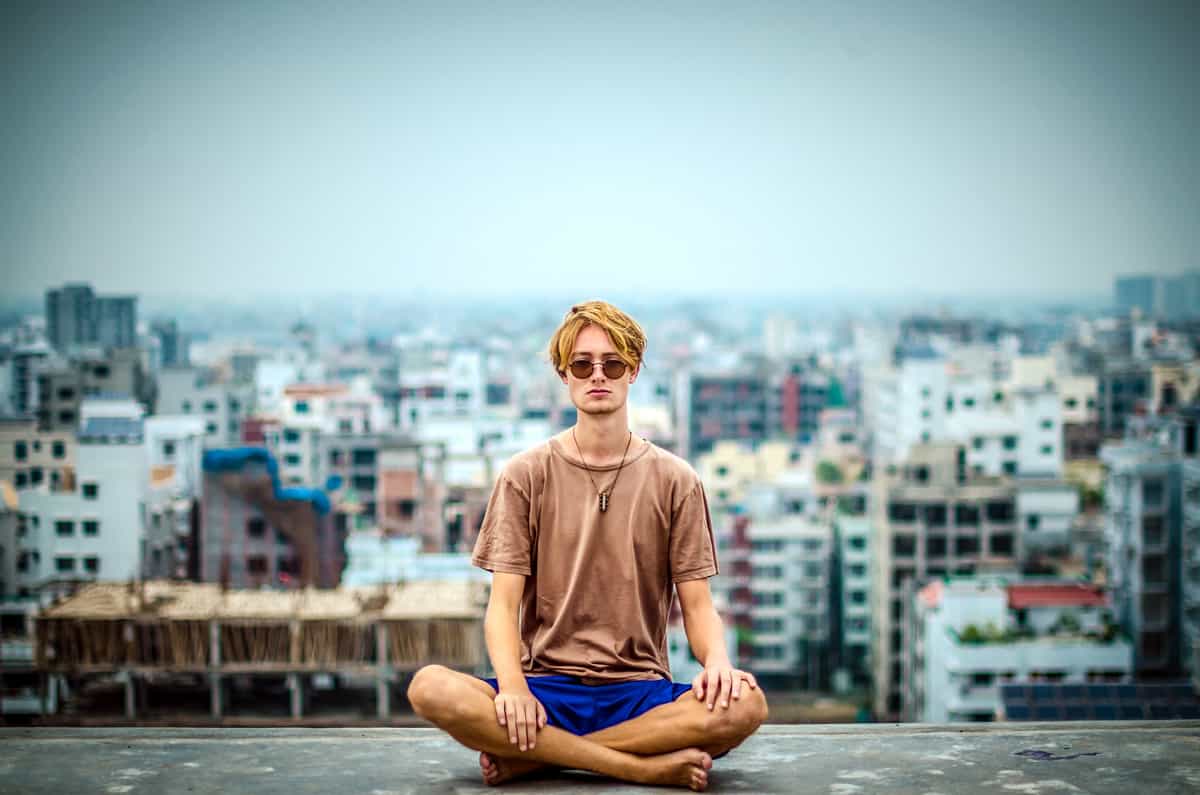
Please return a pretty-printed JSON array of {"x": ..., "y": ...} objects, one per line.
[{"x": 583, "y": 709}]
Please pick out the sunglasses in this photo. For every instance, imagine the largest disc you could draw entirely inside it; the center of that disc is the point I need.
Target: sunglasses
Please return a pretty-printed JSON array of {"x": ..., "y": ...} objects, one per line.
[{"x": 583, "y": 368}]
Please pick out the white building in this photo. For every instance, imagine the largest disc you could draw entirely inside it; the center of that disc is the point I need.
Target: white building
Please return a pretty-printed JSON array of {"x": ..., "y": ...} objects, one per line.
[
  {"x": 973, "y": 635},
  {"x": 91, "y": 528},
  {"x": 853, "y": 535},
  {"x": 374, "y": 559},
  {"x": 1046, "y": 509},
  {"x": 222, "y": 406}
]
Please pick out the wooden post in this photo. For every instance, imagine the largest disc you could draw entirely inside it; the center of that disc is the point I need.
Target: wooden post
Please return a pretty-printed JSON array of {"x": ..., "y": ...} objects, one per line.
[
  {"x": 130, "y": 695},
  {"x": 294, "y": 650},
  {"x": 214, "y": 667},
  {"x": 383, "y": 671},
  {"x": 295, "y": 684}
]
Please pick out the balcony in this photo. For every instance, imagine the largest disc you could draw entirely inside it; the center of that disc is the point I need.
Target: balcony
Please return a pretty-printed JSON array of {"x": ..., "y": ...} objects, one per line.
[{"x": 1100, "y": 758}]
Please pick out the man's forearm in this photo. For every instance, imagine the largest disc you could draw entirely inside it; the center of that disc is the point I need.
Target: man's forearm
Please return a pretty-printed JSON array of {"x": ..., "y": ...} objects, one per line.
[
  {"x": 706, "y": 636},
  {"x": 504, "y": 647}
]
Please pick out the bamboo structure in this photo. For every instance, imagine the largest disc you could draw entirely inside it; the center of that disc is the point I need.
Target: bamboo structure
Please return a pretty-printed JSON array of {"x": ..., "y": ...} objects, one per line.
[{"x": 169, "y": 627}]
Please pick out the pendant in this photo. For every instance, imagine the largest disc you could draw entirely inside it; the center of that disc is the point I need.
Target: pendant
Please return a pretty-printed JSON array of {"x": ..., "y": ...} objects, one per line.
[{"x": 603, "y": 501}]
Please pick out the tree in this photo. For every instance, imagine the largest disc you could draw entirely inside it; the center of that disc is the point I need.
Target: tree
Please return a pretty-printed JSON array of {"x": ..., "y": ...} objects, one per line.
[{"x": 828, "y": 472}]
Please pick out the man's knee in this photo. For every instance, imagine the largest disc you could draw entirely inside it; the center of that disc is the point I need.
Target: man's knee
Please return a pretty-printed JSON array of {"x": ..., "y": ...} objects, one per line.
[
  {"x": 427, "y": 690},
  {"x": 741, "y": 719}
]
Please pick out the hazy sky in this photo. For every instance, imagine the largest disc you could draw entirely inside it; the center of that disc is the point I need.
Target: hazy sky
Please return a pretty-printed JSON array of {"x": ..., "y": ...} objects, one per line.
[{"x": 220, "y": 147}]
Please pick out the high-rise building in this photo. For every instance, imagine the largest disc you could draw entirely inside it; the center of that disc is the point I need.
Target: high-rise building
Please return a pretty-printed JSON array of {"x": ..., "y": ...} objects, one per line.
[
  {"x": 930, "y": 519},
  {"x": 76, "y": 316},
  {"x": 1143, "y": 293}
]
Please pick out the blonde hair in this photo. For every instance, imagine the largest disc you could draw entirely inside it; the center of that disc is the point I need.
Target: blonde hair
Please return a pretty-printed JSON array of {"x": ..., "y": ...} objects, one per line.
[{"x": 626, "y": 335}]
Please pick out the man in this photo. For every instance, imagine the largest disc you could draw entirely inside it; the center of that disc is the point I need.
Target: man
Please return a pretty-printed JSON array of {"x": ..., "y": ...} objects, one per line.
[{"x": 584, "y": 536}]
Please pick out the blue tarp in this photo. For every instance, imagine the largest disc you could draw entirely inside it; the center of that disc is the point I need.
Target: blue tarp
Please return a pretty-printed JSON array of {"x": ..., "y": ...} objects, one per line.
[{"x": 235, "y": 459}]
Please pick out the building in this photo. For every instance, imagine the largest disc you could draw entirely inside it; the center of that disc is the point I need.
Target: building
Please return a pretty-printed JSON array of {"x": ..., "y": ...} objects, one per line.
[
  {"x": 374, "y": 558},
  {"x": 852, "y": 599},
  {"x": 62, "y": 389},
  {"x": 1144, "y": 534},
  {"x": 1123, "y": 389},
  {"x": 790, "y": 583},
  {"x": 175, "y": 481},
  {"x": 254, "y": 532},
  {"x": 930, "y": 518},
  {"x": 30, "y": 457},
  {"x": 711, "y": 406},
  {"x": 200, "y": 392},
  {"x": 89, "y": 526},
  {"x": 75, "y": 317},
  {"x": 971, "y": 636}
]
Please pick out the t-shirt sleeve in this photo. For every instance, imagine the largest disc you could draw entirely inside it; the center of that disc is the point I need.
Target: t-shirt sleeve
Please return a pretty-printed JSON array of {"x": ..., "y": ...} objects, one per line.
[
  {"x": 504, "y": 540},
  {"x": 693, "y": 550}
]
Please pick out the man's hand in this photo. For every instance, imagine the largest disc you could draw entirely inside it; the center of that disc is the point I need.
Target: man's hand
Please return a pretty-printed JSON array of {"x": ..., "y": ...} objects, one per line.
[
  {"x": 522, "y": 714},
  {"x": 720, "y": 680}
]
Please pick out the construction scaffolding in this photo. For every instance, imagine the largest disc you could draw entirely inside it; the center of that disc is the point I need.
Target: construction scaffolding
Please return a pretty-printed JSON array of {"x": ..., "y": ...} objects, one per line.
[{"x": 134, "y": 630}]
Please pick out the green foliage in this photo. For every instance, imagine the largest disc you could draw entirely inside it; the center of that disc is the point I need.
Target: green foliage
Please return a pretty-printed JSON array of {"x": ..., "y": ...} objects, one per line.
[{"x": 828, "y": 472}]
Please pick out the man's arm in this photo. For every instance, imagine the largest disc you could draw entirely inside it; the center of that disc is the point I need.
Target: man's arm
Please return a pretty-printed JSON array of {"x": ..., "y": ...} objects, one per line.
[
  {"x": 516, "y": 708},
  {"x": 706, "y": 636}
]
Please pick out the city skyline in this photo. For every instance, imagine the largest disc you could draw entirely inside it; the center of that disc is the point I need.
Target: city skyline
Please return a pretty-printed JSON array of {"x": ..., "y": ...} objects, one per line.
[{"x": 1021, "y": 149}]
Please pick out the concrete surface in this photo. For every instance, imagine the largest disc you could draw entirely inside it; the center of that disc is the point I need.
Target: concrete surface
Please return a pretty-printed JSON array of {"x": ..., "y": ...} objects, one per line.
[{"x": 1039, "y": 759}]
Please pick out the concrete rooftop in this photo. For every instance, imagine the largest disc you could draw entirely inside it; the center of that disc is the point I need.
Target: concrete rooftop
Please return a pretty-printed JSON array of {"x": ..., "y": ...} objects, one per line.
[{"x": 1048, "y": 758}]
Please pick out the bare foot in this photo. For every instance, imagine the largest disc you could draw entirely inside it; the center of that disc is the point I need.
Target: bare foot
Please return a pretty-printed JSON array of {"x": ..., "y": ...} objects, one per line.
[
  {"x": 497, "y": 769},
  {"x": 687, "y": 768}
]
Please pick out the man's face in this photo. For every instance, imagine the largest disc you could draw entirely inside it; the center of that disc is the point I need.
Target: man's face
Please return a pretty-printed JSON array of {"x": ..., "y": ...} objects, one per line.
[{"x": 597, "y": 394}]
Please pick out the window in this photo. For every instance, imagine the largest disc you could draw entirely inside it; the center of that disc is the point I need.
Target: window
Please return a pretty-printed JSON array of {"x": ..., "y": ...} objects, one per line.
[
  {"x": 35, "y": 475},
  {"x": 812, "y": 570},
  {"x": 768, "y": 625},
  {"x": 902, "y": 512},
  {"x": 1070, "y": 403},
  {"x": 1047, "y": 424},
  {"x": 363, "y": 483},
  {"x": 256, "y": 564},
  {"x": 64, "y": 564},
  {"x": 1001, "y": 544},
  {"x": 1009, "y": 468},
  {"x": 66, "y": 417},
  {"x": 19, "y": 479},
  {"x": 966, "y": 515},
  {"x": 935, "y": 515},
  {"x": 904, "y": 546},
  {"x": 101, "y": 370},
  {"x": 91, "y": 491},
  {"x": 722, "y": 471},
  {"x": 210, "y": 406},
  {"x": 935, "y": 546},
  {"x": 977, "y": 442},
  {"x": 768, "y": 598},
  {"x": 91, "y": 527},
  {"x": 64, "y": 527},
  {"x": 58, "y": 449},
  {"x": 1047, "y": 449},
  {"x": 210, "y": 427},
  {"x": 20, "y": 450},
  {"x": 966, "y": 545},
  {"x": 187, "y": 407},
  {"x": 857, "y": 570},
  {"x": 256, "y": 527},
  {"x": 168, "y": 449},
  {"x": 291, "y": 435},
  {"x": 949, "y": 405},
  {"x": 1152, "y": 493},
  {"x": 301, "y": 406},
  {"x": 292, "y": 459},
  {"x": 234, "y": 405},
  {"x": 91, "y": 565},
  {"x": 1010, "y": 442},
  {"x": 1000, "y": 511},
  {"x": 1032, "y": 521},
  {"x": 969, "y": 402},
  {"x": 771, "y": 545},
  {"x": 998, "y": 396},
  {"x": 363, "y": 457},
  {"x": 767, "y": 571},
  {"x": 858, "y": 543}
]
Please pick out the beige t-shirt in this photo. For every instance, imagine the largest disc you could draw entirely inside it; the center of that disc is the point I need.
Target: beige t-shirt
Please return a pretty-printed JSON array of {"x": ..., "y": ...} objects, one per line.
[{"x": 598, "y": 585}]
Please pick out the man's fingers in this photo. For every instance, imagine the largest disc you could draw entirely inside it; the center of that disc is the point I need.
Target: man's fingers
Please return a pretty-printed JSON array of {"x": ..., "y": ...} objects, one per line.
[
  {"x": 510, "y": 713},
  {"x": 726, "y": 687},
  {"x": 499, "y": 711},
  {"x": 698, "y": 686},
  {"x": 531, "y": 723},
  {"x": 522, "y": 728},
  {"x": 737, "y": 687},
  {"x": 541, "y": 714},
  {"x": 713, "y": 684},
  {"x": 749, "y": 677}
]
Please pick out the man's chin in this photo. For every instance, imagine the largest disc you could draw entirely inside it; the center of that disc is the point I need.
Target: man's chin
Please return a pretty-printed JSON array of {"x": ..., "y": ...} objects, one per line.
[{"x": 597, "y": 411}]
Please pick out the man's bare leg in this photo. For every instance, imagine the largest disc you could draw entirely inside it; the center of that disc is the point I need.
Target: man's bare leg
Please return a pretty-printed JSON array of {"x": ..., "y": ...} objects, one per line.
[
  {"x": 460, "y": 708},
  {"x": 684, "y": 723}
]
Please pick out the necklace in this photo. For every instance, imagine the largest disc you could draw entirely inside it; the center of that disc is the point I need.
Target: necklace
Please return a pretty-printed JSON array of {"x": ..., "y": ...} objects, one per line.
[{"x": 603, "y": 494}]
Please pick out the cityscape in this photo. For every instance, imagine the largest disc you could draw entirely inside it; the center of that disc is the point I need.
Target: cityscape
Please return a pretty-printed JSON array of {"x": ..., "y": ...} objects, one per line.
[{"x": 941, "y": 514}]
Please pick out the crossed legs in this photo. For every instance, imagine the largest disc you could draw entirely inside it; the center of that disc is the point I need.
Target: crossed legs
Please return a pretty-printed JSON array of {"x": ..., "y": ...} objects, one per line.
[{"x": 671, "y": 744}]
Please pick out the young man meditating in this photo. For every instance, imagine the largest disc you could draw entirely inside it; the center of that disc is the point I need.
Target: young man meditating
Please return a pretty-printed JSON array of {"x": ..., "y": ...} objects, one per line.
[{"x": 585, "y": 536}]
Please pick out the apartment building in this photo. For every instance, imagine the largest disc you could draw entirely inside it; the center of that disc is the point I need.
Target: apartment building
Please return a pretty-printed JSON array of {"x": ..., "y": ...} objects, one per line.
[
  {"x": 1144, "y": 532},
  {"x": 930, "y": 517},
  {"x": 970, "y": 636},
  {"x": 30, "y": 457},
  {"x": 199, "y": 392}
]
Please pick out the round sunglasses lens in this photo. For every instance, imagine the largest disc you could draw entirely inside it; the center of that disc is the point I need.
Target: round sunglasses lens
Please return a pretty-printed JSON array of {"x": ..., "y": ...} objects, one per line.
[
  {"x": 614, "y": 368},
  {"x": 581, "y": 369}
]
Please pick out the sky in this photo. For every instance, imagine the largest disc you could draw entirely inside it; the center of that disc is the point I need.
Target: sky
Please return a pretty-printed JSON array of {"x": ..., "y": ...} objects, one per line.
[{"x": 235, "y": 148}]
